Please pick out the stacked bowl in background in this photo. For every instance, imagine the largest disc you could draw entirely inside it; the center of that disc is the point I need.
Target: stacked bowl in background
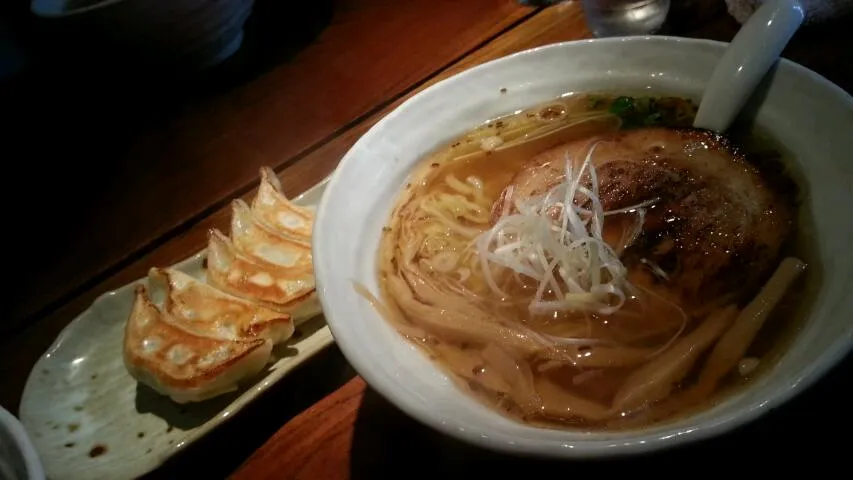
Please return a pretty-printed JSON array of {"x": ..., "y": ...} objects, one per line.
[{"x": 186, "y": 33}]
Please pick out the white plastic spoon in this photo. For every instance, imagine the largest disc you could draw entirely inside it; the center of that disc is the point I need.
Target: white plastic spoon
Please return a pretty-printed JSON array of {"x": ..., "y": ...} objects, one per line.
[{"x": 752, "y": 52}]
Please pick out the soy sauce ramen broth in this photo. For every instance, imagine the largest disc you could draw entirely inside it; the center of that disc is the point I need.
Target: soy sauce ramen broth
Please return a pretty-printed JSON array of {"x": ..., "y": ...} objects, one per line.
[{"x": 479, "y": 165}]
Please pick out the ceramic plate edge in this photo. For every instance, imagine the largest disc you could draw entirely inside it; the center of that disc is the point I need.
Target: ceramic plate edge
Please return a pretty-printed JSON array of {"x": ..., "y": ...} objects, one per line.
[{"x": 239, "y": 402}]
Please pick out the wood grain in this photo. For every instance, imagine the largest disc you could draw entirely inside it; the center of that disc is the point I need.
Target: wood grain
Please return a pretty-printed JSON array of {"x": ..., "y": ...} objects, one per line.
[
  {"x": 177, "y": 162},
  {"x": 555, "y": 24},
  {"x": 356, "y": 434},
  {"x": 315, "y": 440}
]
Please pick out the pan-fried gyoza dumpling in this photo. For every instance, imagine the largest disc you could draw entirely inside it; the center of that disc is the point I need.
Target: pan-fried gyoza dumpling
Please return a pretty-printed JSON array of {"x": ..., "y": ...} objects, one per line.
[
  {"x": 255, "y": 239},
  {"x": 285, "y": 289},
  {"x": 272, "y": 207},
  {"x": 185, "y": 364},
  {"x": 215, "y": 313}
]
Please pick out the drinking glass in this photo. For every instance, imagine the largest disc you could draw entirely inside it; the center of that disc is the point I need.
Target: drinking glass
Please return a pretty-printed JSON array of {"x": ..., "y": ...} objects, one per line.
[{"x": 610, "y": 18}]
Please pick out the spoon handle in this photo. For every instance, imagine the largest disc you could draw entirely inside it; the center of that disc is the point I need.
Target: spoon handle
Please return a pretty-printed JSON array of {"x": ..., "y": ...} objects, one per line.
[{"x": 752, "y": 52}]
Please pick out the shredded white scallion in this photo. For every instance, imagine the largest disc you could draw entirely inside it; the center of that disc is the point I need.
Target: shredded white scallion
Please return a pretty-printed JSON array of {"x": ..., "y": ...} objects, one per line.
[{"x": 560, "y": 248}]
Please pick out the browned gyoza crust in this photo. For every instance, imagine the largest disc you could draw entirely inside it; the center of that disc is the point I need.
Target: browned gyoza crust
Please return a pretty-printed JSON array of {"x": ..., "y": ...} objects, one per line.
[{"x": 717, "y": 226}]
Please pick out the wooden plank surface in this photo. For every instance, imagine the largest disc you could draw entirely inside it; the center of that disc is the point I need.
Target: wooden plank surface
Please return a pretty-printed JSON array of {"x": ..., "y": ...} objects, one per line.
[
  {"x": 190, "y": 156},
  {"x": 356, "y": 434},
  {"x": 317, "y": 440}
]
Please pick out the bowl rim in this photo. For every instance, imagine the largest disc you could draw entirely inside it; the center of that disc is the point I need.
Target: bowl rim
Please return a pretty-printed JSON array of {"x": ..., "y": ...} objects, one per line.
[
  {"x": 29, "y": 456},
  {"x": 618, "y": 443}
]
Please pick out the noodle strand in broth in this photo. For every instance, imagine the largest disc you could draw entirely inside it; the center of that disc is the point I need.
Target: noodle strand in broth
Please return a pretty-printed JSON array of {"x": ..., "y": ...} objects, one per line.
[{"x": 570, "y": 264}]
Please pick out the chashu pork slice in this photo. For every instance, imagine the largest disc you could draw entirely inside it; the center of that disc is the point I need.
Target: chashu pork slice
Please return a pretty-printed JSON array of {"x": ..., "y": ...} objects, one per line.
[{"x": 716, "y": 225}]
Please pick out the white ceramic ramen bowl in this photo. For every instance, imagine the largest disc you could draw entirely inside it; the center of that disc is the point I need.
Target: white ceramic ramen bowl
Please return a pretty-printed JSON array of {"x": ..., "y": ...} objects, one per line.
[{"x": 811, "y": 116}]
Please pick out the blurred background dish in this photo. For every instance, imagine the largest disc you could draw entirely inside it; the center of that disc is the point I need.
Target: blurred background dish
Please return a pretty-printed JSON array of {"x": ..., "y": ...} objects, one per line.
[
  {"x": 18, "y": 458},
  {"x": 188, "y": 34}
]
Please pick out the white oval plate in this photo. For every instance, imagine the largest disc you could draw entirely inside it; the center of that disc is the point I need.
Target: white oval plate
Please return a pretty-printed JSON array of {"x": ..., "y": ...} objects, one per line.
[{"x": 79, "y": 396}]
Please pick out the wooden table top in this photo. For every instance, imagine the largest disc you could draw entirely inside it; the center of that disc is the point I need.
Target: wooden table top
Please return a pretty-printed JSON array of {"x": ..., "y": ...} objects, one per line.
[{"x": 159, "y": 163}]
